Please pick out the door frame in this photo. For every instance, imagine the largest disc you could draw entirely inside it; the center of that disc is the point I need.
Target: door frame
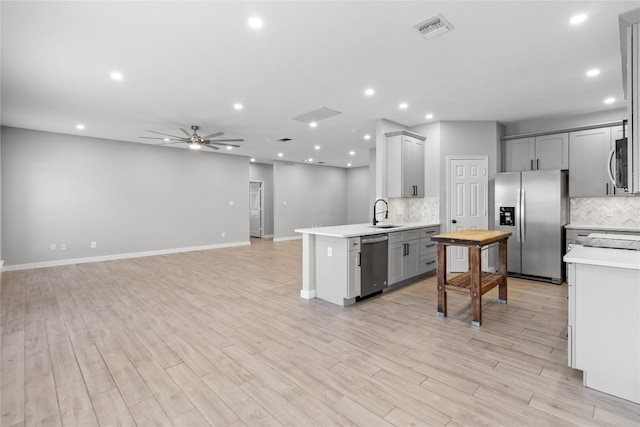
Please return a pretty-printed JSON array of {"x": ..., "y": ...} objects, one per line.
[
  {"x": 449, "y": 159},
  {"x": 261, "y": 208}
]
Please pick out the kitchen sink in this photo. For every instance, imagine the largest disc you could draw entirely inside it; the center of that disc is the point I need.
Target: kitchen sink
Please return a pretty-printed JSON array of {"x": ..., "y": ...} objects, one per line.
[{"x": 384, "y": 226}]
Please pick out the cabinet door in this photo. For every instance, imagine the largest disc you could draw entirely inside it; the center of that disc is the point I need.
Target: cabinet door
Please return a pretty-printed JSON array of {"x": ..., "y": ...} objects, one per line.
[
  {"x": 407, "y": 167},
  {"x": 519, "y": 154},
  {"x": 353, "y": 282},
  {"x": 417, "y": 161},
  {"x": 396, "y": 255},
  {"x": 552, "y": 152},
  {"x": 589, "y": 150},
  {"x": 411, "y": 265}
]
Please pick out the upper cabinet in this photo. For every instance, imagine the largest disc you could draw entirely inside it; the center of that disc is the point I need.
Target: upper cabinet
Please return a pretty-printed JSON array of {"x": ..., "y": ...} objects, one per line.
[
  {"x": 537, "y": 153},
  {"x": 590, "y": 156},
  {"x": 405, "y": 164}
]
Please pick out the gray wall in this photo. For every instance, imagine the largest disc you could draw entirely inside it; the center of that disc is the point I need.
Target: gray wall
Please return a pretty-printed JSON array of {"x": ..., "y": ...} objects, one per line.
[
  {"x": 358, "y": 195},
  {"x": 307, "y": 196},
  {"x": 543, "y": 124},
  {"x": 263, "y": 172},
  {"x": 127, "y": 197}
]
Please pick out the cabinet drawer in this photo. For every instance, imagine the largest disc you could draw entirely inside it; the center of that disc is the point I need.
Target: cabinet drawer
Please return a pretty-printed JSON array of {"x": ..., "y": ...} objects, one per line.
[
  {"x": 403, "y": 236},
  {"x": 354, "y": 243},
  {"x": 427, "y": 247},
  {"x": 427, "y": 263},
  {"x": 429, "y": 232},
  {"x": 411, "y": 235}
]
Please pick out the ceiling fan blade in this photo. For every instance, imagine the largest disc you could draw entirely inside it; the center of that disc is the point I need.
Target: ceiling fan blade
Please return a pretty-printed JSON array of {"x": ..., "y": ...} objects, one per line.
[
  {"x": 213, "y": 135},
  {"x": 153, "y": 137},
  {"x": 210, "y": 146},
  {"x": 166, "y": 134},
  {"x": 224, "y": 144},
  {"x": 185, "y": 132}
]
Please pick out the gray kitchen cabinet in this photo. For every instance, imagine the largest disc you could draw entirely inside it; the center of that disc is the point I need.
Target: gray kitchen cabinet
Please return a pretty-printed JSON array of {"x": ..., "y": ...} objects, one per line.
[
  {"x": 427, "y": 251},
  {"x": 405, "y": 164},
  {"x": 589, "y": 162},
  {"x": 403, "y": 261},
  {"x": 544, "y": 152},
  {"x": 353, "y": 265}
]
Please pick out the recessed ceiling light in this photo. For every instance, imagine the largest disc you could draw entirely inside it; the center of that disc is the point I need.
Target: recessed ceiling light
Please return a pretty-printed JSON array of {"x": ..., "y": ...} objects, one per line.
[
  {"x": 403, "y": 106},
  {"x": 593, "y": 73},
  {"x": 609, "y": 100},
  {"x": 194, "y": 146},
  {"x": 229, "y": 147},
  {"x": 578, "y": 19},
  {"x": 237, "y": 106},
  {"x": 252, "y": 160},
  {"x": 280, "y": 154},
  {"x": 166, "y": 139},
  {"x": 352, "y": 153},
  {"x": 349, "y": 164},
  {"x": 116, "y": 76},
  {"x": 317, "y": 147},
  {"x": 369, "y": 92},
  {"x": 429, "y": 116},
  {"x": 367, "y": 137},
  {"x": 309, "y": 160},
  {"x": 80, "y": 126},
  {"x": 255, "y": 23},
  {"x": 313, "y": 124}
]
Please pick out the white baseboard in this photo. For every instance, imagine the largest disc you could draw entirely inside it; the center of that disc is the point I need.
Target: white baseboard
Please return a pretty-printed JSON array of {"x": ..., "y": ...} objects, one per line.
[
  {"x": 307, "y": 294},
  {"x": 267, "y": 236},
  {"x": 118, "y": 256},
  {"x": 284, "y": 239}
]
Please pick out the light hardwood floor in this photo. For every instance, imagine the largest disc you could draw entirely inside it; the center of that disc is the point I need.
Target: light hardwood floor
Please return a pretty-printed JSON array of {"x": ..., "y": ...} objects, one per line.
[{"x": 221, "y": 337}]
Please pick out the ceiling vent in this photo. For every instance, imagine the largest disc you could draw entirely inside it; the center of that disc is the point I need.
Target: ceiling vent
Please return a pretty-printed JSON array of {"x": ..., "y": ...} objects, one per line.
[
  {"x": 316, "y": 115},
  {"x": 433, "y": 27}
]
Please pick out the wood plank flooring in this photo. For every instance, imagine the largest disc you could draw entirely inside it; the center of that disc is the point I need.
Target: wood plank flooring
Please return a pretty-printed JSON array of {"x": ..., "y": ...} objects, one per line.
[{"x": 221, "y": 337}]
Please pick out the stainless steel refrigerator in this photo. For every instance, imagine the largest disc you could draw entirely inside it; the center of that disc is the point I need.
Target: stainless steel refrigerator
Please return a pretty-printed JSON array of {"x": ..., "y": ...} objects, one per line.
[{"x": 533, "y": 206}]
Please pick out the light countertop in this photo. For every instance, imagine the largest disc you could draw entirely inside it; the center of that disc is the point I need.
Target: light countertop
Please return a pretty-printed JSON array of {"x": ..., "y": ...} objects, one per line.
[
  {"x": 355, "y": 230},
  {"x": 602, "y": 227},
  {"x": 619, "y": 258}
]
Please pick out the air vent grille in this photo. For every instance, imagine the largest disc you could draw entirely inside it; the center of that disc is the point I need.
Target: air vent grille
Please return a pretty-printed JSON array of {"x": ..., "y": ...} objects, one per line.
[
  {"x": 316, "y": 115},
  {"x": 433, "y": 27}
]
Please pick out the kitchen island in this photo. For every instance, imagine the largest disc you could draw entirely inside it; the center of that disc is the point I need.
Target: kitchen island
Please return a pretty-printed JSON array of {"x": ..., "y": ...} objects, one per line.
[
  {"x": 331, "y": 258},
  {"x": 604, "y": 313}
]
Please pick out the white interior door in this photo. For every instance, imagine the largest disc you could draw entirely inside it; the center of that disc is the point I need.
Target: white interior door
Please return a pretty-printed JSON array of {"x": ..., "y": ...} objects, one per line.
[
  {"x": 255, "y": 209},
  {"x": 467, "y": 182}
]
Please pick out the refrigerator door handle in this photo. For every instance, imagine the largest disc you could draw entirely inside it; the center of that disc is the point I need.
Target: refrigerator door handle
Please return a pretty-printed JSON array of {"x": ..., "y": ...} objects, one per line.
[
  {"x": 523, "y": 208},
  {"x": 610, "y": 168},
  {"x": 518, "y": 214}
]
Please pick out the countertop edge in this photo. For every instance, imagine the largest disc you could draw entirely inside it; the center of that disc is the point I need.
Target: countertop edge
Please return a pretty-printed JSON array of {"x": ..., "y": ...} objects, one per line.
[
  {"x": 603, "y": 257},
  {"x": 601, "y": 227},
  {"x": 365, "y": 231}
]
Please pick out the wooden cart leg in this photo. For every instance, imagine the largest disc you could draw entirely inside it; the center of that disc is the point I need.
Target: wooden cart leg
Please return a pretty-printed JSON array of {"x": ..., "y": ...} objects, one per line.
[
  {"x": 502, "y": 298},
  {"x": 475, "y": 267},
  {"x": 442, "y": 280}
]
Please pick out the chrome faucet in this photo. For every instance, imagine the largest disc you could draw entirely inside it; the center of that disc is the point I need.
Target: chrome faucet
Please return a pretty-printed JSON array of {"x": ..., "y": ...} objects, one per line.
[{"x": 386, "y": 213}]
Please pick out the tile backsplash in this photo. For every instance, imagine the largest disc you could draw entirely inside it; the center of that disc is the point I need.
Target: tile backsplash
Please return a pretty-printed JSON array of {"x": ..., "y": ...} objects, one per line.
[
  {"x": 607, "y": 211},
  {"x": 426, "y": 210}
]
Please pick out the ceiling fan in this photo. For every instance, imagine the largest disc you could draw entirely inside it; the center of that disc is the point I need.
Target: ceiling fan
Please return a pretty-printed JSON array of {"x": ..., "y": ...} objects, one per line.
[{"x": 194, "y": 140}]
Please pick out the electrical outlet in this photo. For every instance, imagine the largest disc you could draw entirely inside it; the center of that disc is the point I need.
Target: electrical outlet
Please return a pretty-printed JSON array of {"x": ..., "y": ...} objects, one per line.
[
  {"x": 230, "y": 202},
  {"x": 609, "y": 212},
  {"x": 329, "y": 252},
  {"x": 94, "y": 245},
  {"x": 63, "y": 247},
  {"x": 52, "y": 247},
  {"x": 222, "y": 234}
]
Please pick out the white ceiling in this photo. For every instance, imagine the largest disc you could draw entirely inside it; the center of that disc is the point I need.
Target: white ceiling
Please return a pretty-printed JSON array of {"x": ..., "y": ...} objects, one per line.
[{"x": 187, "y": 63}]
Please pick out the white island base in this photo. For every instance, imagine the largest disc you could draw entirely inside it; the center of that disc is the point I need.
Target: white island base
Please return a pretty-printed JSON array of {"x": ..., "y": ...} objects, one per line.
[{"x": 604, "y": 319}]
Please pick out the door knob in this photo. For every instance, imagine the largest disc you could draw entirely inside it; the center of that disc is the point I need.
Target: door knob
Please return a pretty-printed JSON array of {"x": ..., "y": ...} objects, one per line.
[{"x": 453, "y": 221}]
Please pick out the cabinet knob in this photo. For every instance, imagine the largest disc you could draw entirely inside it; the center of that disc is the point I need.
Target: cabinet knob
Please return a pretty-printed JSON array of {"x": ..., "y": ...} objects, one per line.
[{"x": 453, "y": 221}]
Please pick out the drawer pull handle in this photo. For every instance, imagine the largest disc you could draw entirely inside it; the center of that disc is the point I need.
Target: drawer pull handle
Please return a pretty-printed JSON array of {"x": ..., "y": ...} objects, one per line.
[{"x": 430, "y": 262}]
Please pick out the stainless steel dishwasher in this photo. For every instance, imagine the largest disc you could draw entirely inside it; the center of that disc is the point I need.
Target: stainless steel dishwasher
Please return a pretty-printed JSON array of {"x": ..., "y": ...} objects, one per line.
[{"x": 374, "y": 252}]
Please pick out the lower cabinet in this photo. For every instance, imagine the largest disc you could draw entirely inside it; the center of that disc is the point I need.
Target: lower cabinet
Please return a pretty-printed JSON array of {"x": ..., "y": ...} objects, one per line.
[
  {"x": 354, "y": 266},
  {"x": 411, "y": 253}
]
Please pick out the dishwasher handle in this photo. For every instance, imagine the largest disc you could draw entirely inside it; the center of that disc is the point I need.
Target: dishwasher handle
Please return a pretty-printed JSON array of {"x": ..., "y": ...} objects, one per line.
[{"x": 366, "y": 240}]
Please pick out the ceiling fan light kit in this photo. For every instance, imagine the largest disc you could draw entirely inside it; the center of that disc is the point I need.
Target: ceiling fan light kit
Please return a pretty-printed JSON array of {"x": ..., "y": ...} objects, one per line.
[{"x": 195, "y": 141}]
